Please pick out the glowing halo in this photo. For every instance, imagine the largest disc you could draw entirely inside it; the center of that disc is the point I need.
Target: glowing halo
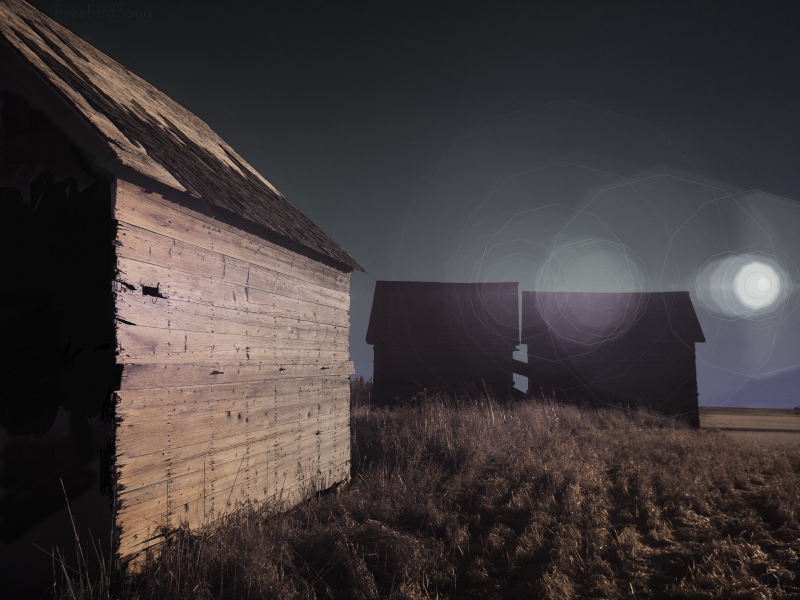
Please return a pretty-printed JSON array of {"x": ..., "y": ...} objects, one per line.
[
  {"x": 756, "y": 285},
  {"x": 753, "y": 286}
]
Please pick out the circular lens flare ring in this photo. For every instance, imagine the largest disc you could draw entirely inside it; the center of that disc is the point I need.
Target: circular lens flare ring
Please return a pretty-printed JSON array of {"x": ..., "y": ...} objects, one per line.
[
  {"x": 754, "y": 286},
  {"x": 757, "y": 285}
]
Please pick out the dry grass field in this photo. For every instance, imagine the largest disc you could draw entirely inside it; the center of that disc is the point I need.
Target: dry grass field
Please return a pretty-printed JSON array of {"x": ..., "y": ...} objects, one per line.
[{"x": 473, "y": 499}]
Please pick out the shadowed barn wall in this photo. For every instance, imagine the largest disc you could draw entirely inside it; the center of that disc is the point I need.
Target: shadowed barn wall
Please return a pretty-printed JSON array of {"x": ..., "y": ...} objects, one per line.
[
  {"x": 56, "y": 315},
  {"x": 442, "y": 336},
  {"x": 626, "y": 349}
]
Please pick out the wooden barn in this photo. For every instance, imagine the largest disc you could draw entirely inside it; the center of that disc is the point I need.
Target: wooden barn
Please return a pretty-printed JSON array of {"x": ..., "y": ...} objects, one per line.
[
  {"x": 442, "y": 336},
  {"x": 175, "y": 332},
  {"x": 625, "y": 349}
]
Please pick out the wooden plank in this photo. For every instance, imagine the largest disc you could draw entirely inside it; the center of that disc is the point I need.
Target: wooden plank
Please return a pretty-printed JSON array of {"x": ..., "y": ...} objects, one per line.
[
  {"x": 144, "y": 399},
  {"x": 317, "y": 445},
  {"x": 234, "y": 465},
  {"x": 145, "y": 311},
  {"x": 141, "y": 471},
  {"x": 275, "y": 490},
  {"x": 278, "y": 387},
  {"x": 165, "y": 496},
  {"x": 144, "y": 375},
  {"x": 154, "y": 443},
  {"x": 214, "y": 432},
  {"x": 137, "y": 529},
  {"x": 177, "y": 285},
  {"x": 278, "y": 338},
  {"x": 269, "y": 406},
  {"x": 152, "y": 212},
  {"x": 285, "y": 484},
  {"x": 157, "y": 345},
  {"x": 270, "y": 453},
  {"x": 145, "y": 246},
  {"x": 266, "y": 455},
  {"x": 167, "y": 445},
  {"x": 135, "y": 348}
]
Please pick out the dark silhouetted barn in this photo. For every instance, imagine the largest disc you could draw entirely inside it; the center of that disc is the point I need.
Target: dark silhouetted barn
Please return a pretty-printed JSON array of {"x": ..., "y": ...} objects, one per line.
[
  {"x": 442, "y": 336},
  {"x": 175, "y": 332},
  {"x": 619, "y": 349}
]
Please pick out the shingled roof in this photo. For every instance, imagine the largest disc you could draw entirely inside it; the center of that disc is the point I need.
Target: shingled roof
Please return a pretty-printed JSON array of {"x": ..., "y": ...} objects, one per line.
[
  {"x": 153, "y": 134},
  {"x": 421, "y": 313}
]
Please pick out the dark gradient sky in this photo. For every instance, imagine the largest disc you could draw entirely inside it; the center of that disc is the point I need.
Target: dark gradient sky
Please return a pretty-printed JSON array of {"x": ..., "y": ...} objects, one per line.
[{"x": 391, "y": 125}]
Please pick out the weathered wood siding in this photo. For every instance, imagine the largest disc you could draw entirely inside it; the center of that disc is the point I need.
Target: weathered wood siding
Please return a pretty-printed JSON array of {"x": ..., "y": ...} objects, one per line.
[{"x": 236, "y": 361}]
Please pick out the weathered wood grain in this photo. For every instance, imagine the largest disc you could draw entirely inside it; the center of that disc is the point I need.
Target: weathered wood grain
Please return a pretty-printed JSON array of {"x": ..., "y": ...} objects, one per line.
[
  {"x": 265, "y": 477},
  {"x": 232, "y": 465},
  {"x": 177, "y": 285},
  {"x": 225, "y": 432},
  {"x": 146, "y": 311},
  {"x": 234, "y": 385},
  {"x": 137, "y": 530},
  {"x": 265, "y": 452},
  {"x": 157, "y": 345},
  {"x": 136, "y": 414},
  {"x": 146, "y": 375},
  {"x": 152, "y": 212},
  {"x": 139, "y": 469},
  {"x": 202, "y": 394},
  {"x": 210, "y": 484},
  {"x": 142, "y": 245}
]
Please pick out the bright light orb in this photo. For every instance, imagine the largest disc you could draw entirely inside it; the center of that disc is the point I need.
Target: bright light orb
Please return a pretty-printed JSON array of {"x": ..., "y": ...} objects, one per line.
[{"x": 757, "y": 285}]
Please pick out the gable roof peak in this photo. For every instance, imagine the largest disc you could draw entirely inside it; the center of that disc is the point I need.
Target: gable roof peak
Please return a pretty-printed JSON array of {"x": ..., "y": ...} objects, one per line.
[{"x": 151, "y": 133}]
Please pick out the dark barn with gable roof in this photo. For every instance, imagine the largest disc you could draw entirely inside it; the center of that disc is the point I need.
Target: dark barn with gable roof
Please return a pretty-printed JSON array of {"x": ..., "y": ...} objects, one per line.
[
  {"x": 442, "y": 336},
  {"x": 176, "y": 333},
  {"x": 623, "y": 349}
]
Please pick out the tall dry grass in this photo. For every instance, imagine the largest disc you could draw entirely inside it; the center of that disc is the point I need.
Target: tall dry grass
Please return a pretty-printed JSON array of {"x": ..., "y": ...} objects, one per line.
[{"x": 469, "y": 498}]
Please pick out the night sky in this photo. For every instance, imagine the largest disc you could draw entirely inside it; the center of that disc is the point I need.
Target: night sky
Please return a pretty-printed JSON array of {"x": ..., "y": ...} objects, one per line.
[{"x": 593, "y": 146}]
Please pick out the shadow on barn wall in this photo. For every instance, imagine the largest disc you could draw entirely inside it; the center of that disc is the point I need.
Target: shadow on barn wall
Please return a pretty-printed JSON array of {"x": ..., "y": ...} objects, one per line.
[
  {"x": 443, "y": 336},
  {"x": 56, "y": 314},
  {"x": 626, "y": 350}
]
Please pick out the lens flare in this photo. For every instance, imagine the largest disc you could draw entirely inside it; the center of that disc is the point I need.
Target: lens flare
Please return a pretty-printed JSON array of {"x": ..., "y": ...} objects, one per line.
[
  {"x": 757, "y": 285},
  {"x": 749, "y": 286}
]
